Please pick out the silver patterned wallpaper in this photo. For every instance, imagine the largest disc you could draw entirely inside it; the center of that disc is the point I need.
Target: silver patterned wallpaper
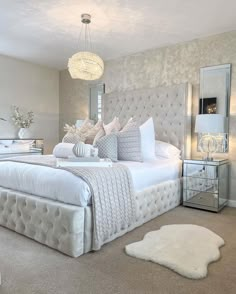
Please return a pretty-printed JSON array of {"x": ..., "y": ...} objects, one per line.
[
  {"x": 74, "y": 100},
  {"x": 165, "y": 66}
]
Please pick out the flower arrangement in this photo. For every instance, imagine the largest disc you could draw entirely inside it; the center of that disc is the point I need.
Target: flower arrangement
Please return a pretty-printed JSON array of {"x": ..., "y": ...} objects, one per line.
[{"x": 22, "y": 120}]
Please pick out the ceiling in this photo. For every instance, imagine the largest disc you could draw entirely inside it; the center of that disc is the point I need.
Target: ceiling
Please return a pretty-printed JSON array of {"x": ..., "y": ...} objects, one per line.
[{"x": 46, "y": 31}]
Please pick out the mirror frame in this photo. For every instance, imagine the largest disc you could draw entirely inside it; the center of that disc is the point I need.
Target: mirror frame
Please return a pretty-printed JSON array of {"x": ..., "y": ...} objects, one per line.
[
  {"x": 99, "y": 87},
  {"x": 228, "y": 71}
]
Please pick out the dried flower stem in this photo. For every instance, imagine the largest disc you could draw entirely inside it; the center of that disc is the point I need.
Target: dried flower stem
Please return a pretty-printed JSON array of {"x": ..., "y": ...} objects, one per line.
[{"x": 21, "y": 120}]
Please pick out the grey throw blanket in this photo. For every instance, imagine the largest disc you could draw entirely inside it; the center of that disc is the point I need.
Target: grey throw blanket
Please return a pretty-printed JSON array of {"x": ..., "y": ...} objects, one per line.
[{"x": 112, "y": 196}]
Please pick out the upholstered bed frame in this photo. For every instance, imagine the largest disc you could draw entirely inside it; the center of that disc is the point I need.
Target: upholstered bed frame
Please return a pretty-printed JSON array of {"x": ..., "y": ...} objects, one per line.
[
  {"x": 68, "y": 228},
  {"x": 170, "y": 108}
]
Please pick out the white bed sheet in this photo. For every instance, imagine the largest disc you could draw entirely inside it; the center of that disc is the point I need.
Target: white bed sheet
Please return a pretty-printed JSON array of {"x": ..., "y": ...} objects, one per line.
[
  {"x": 149, "y": 173},
  {"x": 61, "y": 185}
]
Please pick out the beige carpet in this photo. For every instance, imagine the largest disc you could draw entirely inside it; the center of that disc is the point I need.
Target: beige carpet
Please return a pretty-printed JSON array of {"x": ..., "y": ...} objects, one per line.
[{"x": 28, "y": 267}]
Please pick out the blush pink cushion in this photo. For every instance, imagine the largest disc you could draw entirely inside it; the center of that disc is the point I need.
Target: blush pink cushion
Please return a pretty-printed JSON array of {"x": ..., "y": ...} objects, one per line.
[{"x": 113, "y": 126}]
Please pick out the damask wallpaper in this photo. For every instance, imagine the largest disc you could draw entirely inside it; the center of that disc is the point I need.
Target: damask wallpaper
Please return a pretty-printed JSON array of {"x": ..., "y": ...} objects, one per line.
[
  {"x": 73, "y": 100},
  {"x": 164, "y": 66}
]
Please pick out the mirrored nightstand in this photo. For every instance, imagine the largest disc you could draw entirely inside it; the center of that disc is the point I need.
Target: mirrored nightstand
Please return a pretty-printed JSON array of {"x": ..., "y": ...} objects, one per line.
[{"x": 205, "y": 183}]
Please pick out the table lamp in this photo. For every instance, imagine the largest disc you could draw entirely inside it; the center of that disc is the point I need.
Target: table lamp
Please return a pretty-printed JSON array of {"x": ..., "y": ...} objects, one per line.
[{"x": 209, "y": 126}]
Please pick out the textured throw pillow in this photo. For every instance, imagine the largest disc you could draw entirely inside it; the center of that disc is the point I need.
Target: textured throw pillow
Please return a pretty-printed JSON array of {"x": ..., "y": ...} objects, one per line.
[
  {"x": 75, "y": 135},
  {"x": 130, "y": 123},
  {"x": 91, "y": 134},
  {"x": 113, "y": 126},
  {"x": 107, "y": 147},
  {"x": 148, "y": 140},
  {"x": 73, "y": 138},
  {"x": 101, "y": 133},
  {"x": 129, "y": 144},
  {"x": 166, "y": 150}
]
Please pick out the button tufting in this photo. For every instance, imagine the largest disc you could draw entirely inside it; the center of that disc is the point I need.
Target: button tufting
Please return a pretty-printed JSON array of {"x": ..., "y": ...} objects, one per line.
[{"x": 153, "y": 202}]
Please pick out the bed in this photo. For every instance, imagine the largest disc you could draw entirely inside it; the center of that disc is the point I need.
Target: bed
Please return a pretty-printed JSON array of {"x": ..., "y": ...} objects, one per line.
[{"x": 49, "y": 210}]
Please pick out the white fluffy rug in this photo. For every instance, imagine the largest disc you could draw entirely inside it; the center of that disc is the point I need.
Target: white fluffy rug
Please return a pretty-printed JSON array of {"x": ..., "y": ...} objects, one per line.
[{"x": 186, "y": 249}]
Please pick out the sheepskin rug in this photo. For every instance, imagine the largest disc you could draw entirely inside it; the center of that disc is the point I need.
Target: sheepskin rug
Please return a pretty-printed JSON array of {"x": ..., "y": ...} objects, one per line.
[{"x": 186, "y": 249}]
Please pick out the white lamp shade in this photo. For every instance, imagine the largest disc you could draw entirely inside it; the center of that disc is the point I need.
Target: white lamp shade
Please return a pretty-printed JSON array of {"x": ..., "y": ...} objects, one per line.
[{"x": 210, "y": 123}]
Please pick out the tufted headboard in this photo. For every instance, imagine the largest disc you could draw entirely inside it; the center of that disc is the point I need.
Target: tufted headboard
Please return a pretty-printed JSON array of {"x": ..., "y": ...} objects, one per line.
[{"x": 170, "y": 108}]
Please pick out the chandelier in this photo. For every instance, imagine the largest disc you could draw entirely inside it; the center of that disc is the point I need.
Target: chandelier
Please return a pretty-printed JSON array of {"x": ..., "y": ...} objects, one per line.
[{"x": 85, "y": 65}]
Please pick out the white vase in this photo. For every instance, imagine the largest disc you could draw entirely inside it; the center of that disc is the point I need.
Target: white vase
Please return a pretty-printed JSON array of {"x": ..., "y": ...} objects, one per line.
[{"x": 23, "y": 133}]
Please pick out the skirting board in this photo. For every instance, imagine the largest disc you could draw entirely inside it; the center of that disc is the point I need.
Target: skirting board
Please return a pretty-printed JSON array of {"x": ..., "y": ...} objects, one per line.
[{"x": 232, "y": 203}]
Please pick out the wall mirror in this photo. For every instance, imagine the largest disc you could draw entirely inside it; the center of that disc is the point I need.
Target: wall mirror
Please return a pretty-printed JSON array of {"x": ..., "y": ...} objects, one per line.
[
  {"x": 95, "y": 101},
  {"x": 215, "y": 91}
]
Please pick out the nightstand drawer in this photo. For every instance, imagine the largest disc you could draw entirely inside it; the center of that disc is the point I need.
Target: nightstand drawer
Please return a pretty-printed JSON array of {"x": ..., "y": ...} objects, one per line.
[
  {"x": 201, "y": 171},
  {"x": 201, "y": 184},
  {"x": 201, "y": 199}
]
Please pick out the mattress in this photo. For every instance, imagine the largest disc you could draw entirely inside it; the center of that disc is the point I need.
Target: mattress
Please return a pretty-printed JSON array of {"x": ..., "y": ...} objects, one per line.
[{"x": 61, "y": 185}]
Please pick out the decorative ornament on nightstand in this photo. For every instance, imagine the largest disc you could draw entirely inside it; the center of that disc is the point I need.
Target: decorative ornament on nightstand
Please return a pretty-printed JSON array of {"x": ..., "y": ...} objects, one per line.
[
  {"x": 210, "y": 127},
  {"x": 22, "y": 121}
]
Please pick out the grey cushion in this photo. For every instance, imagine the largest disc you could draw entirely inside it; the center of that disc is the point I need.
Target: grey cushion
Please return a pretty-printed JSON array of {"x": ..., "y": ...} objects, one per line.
[
  {"x": 129, "y": 144},
  {"x": 107, "y": 147}
]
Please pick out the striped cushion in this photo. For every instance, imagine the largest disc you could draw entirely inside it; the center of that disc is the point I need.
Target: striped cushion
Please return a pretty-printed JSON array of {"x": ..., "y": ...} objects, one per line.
[
  {"x": 129, "y": 144},
  {"x": 131, "y": 123}
]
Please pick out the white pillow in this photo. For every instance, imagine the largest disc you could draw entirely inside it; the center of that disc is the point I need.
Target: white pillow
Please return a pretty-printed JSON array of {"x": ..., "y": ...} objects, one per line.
[
  {"x": 148, "y": 140},
  {"x": 166, "y": 150},
  {"x": 63, "y": 150}
]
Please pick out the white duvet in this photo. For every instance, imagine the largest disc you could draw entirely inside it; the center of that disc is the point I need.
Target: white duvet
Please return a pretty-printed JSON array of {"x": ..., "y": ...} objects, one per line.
[{"x": 61, "y": 185}]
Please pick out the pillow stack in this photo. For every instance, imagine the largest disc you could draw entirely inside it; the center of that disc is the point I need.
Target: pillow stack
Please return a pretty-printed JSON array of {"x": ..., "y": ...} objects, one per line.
[{"x": 132, "y": 143}]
